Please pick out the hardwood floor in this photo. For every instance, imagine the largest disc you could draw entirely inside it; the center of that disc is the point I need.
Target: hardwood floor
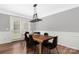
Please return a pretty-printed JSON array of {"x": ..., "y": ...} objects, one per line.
[{"x": 20, "y": 48}]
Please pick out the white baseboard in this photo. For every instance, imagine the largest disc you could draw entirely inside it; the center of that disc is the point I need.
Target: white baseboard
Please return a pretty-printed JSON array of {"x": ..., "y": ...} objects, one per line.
[{"x": 69, "y": 46}]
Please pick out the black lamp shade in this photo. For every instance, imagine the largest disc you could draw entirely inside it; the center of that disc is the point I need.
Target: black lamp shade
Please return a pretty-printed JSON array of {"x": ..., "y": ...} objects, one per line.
[{"x": 36, "y": 20}]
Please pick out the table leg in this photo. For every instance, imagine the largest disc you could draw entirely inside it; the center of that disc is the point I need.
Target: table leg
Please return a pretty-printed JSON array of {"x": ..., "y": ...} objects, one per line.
[{"x": 40, "y": 48}]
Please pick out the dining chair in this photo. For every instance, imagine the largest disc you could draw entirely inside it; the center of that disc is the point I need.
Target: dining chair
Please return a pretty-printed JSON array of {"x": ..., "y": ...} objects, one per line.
[
  {"x": 31, "y": 44},
  {"x": 32, "y": 40},
  {"x": 26, "y": 36},
  {"x": 46, "y": 34},
  {"x": 51, "y": 45}
]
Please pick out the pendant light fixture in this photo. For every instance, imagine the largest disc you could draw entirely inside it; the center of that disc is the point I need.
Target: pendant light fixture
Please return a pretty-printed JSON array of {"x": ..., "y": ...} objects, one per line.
[{"x": 35, "y": 15}]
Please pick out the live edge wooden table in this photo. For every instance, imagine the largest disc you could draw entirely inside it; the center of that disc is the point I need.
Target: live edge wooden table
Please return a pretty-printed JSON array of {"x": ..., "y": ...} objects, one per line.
[{"x": 40, "y": 39}]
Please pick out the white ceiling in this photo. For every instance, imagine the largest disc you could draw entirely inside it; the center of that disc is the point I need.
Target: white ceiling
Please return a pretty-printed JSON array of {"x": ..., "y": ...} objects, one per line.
[{"x": 26, "y": 10}]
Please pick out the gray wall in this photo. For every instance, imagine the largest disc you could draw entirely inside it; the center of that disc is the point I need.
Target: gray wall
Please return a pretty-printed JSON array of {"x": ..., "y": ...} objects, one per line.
[
  {"x": 4, "y": 22},
  {"x": 63, "y": 21},
  {"x": 33, "y": 27},
  {"x": 65, "y": 25}
]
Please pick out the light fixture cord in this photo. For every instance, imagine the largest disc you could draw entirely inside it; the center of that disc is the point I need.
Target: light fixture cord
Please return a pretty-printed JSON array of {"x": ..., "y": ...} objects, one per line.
[{"x": 35, "y": 12}]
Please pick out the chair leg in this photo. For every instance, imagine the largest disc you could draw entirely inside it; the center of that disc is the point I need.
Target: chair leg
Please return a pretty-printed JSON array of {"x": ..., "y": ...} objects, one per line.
[
  {"x": 49, "y": 51},
  {"x": 42, "y": 49},
  {"x": 57, "y": 50},
  {"x": 27, "y": 51},
  {"x": 34, "y": 50}
]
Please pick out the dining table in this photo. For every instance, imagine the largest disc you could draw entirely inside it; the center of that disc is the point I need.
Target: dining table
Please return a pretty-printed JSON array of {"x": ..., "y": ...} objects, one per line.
[{"x": 41, "y": 39}]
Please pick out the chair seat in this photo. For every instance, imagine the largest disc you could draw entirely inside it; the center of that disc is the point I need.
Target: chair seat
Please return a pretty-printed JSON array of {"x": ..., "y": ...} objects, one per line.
[
  {"x": 48, "y": 45},
  {"x": 31, "y": 46},
  {"x": 35, "y": 42}
]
